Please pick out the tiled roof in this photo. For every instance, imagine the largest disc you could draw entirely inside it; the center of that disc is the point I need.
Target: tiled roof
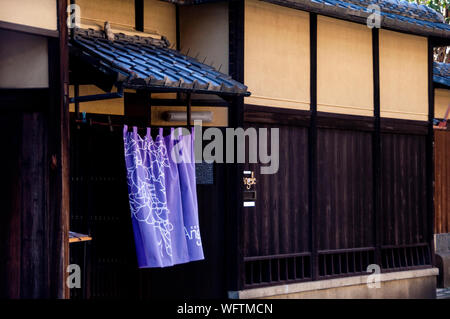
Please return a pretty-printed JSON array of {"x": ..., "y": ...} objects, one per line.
[
  {"x": 441, "y": 73},
  {"x": 395, "y": 14},
  {"x": 145, "y": 62}
]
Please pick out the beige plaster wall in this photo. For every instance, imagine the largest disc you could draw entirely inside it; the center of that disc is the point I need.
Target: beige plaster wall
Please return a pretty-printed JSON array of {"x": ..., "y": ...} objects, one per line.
[
  {"x": 344, "y": 67},
  {"x": 160, "y": 18},
  {"x": 120, "y": 13},
  {"x": 204, "y": 32}
]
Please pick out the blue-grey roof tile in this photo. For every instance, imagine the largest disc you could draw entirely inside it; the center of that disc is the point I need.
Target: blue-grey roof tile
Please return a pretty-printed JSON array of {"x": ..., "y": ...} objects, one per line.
[{"x": 441, "y": 73}]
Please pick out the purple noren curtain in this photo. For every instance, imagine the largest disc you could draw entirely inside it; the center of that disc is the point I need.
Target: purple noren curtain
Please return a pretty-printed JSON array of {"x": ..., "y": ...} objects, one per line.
[{"x": 163, "y": 198}]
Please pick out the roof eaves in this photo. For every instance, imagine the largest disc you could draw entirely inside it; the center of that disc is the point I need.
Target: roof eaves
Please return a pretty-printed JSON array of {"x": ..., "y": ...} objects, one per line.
[
  {"x": 396, "y": 14},
  {"x": 389, "y": 20},
  {"x": 149, "y": 63}
]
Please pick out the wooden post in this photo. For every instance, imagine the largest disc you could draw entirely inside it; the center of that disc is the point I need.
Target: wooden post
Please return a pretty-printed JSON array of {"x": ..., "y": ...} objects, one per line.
[
  {"x": 58, "y": 152},
  {"x": 234, "y": 172}
]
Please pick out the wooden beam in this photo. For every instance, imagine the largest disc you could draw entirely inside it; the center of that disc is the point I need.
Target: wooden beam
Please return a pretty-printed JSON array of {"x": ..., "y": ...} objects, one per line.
[
  {"x": 58, "y": 158},
  {"x": 400, "y": 126},
  {"x": 139, "y": 15},
  {"x": 275, "y": 115},
  {"x": 25, "y": 100}
]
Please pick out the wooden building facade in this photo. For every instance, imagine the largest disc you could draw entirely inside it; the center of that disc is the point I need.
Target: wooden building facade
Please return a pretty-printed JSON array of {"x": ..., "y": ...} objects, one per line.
[{"x": 360, "y": 135}]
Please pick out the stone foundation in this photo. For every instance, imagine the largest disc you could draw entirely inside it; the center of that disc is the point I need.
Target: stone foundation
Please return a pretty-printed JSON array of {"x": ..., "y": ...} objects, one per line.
[{"x": 410, "y": 284}]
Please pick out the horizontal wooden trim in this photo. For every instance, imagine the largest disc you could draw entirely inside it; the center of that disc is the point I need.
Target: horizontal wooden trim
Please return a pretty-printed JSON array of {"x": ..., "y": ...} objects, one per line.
[
  {"x": 275, "y": 115},
  {"x": 284, "y": 116},
  {"x": 265, "y": 285},
  {"x": 29, "y": 29},
  {"x": 280, "y": 256},
  {"x": 343, "y": 251},
  {"x": 277, "y": 102},
  {"x": 403, "y": 126},
  {"x": 345, "y": 121},
  {"x": 404, "y": 246}
]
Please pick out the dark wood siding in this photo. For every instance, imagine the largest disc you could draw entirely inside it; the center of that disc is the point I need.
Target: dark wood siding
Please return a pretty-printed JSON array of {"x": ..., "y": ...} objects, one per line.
[
  {"x": 442, "y": 183},
  {"x": 345, "y": 216},
  {"x": 26, "y": 219},
  {"x": 345, "y": 189},
  {"x": 405, "y": 216},
  {"x": 404, "y": 207},
  {"x": 277, "y": 241},
  {"x": 280, "y": 223},
  {"x": 279, "y": 231}
]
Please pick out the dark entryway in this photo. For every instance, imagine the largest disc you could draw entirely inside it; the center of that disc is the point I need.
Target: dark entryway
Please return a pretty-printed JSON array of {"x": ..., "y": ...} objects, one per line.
[{"x": 99, "y": 206}]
